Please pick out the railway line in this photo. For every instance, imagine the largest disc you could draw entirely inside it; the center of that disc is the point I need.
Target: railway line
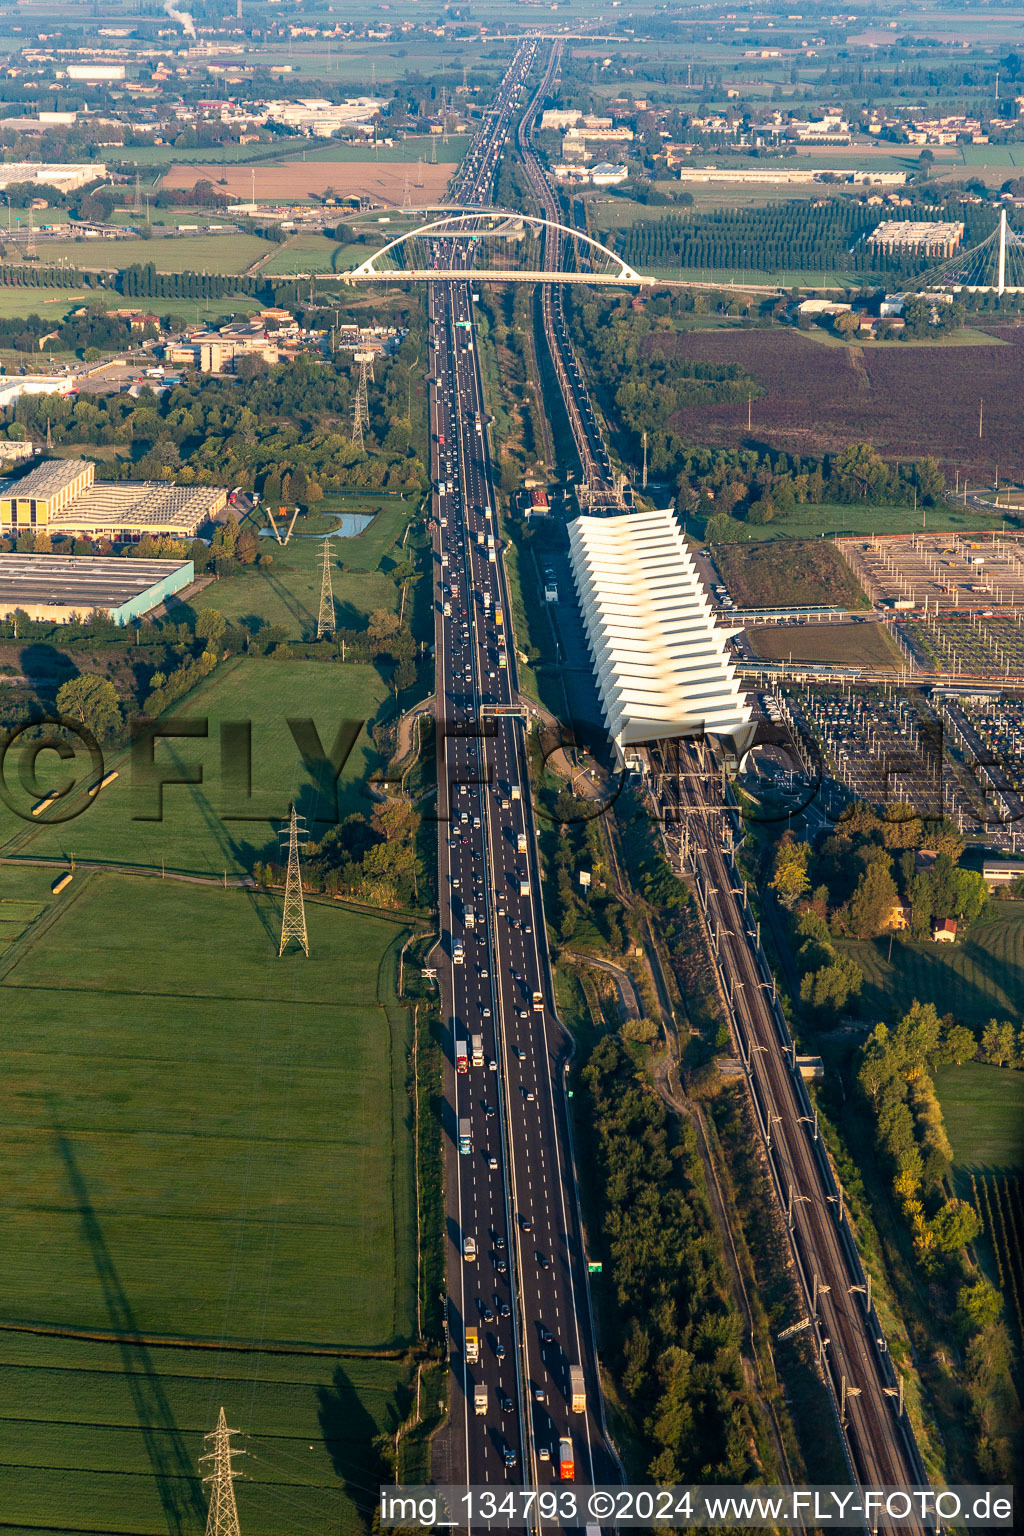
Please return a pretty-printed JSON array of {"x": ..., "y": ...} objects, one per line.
[
  {"x": 598, "y": 486},
  {"x": 879, "y": 1441}
]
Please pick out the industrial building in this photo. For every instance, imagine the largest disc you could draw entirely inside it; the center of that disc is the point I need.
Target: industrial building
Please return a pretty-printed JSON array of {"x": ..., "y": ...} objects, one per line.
[
  {"x": 59, "y": 588},
  {"x": 67, "y": 178},
  {"x": 662, "y": 664},
  {"x": 917, "y": 236},
  {"x": 61, "y": 496}
]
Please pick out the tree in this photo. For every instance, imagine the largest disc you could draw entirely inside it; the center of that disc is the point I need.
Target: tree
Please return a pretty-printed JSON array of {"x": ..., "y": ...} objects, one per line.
[
  {"x": 958, "y": 1045},
  {"x": 832, "y": 985},
  {"x": 210, "y": 626},
  {"x": 954, "y": 1225},
  {"x": 998, "y": 1045},
  {"x": 870, "y": 908},
  {"x": 92, "y": 701},
  {"x": 642, "y": 1031},
  {"x": 979, "y": 1305},
  {"x": 790, "y": 879},
  {"x": 847, "y": 324}
]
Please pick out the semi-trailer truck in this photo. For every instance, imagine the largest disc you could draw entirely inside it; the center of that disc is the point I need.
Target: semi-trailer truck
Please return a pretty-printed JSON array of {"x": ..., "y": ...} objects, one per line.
[
  {"x": 538, "y": 1001},
  {"x": 566, "y": 1463},
  {"x": 465, "y": 1136},
  {"x": 521, "y": 842},
  {"x": 472, "y": 1345},
  {"x": 461, "y": 1056},
  {"x": 478, "y": 1050},
  {"x": 458, "y": 952},
  {"x": 577, "y": 1390},
  {"x": 524, "y": 886},
  {"x": 470, "y": 918},
  {"x": 480, "y": 1400}
]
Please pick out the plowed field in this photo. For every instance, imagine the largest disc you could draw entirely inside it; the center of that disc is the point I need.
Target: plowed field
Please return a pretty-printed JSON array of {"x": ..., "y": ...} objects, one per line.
[
  {"x": 382, "y": 181},
  {"x": 907, "y": 401}
]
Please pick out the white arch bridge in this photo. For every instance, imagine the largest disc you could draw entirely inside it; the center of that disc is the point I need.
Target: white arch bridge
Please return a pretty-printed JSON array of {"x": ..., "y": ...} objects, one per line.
[{"x": 494, "y": 245}]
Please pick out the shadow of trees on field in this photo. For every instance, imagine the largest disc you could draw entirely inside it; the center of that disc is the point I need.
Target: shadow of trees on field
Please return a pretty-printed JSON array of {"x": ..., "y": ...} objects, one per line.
[
  {"x": 359, "y": 1451},
  {"x": 177, "y": 1478}
]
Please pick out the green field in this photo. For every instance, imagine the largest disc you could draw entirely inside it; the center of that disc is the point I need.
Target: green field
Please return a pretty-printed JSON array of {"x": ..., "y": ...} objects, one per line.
[
  {"x": 315, "y": 253},
  {"x": 865, "y": 645},
  {"x": 814, "y": 519},
  {"x": 201, "y": 1143},
  {"x": 288, "y": 591},
  {"x": 978, "y": 978},
  {"x": 983, "y": 1108},
  {"x": 193, "y": 835},
  {"x": 187, "y": 253}
]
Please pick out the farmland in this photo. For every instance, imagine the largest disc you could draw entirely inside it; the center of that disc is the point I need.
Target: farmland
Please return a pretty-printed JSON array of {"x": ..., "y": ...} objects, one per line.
[
  {"x": 983, "y": 1107},
  {"x": 155, "y": 1192},
  {"x": 794, "y": 573},
  {"x": 192, "y": 834},
  {"x": 381, "y": 180},
  {"x": 908, "y": 402},
  {"x": 227, "y": 254}
]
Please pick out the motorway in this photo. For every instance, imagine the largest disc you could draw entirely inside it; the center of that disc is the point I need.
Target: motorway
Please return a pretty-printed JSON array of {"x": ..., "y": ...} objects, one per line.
[
  {"x": 851, "y": 1347},
  {"x": 511, "y": 1191}
]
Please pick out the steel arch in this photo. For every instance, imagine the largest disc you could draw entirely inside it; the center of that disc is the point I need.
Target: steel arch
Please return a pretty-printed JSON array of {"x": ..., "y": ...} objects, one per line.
[{"x": 625, "y": 274}]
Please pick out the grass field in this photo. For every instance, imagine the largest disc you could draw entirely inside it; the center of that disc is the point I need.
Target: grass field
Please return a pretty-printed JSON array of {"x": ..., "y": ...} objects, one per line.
[
  {"x": 983, "y": 1108},
  {"x": 51, "y": 303},
  {"x": 866, "y": 645},
  {"x": 193, "y": 835},
  {"x": 383, "y": 180},
  {"x": 812, "y": 520},
  {"x": 763, "y": 575},
  {"x": 288, "y": 592},
  {"x": 187, "y": 253},
  {"x": 315, "y": 253},
  {"x": 979, "y": 978},
  {"x": 205, "y": 1144}
]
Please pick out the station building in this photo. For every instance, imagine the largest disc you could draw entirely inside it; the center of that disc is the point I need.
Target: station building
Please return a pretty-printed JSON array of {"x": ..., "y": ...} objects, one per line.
[
  {"x": 61, "y": 496},
  {"x": 662, "y": 664}
]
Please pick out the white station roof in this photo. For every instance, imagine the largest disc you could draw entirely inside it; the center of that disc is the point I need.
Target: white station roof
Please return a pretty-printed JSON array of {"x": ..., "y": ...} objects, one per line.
[{"x": 662, "y": 666}]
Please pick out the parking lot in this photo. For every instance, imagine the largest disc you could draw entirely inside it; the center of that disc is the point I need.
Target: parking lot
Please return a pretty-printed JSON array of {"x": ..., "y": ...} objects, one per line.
[
  {"x": 946, "y": 756},
  {"x": 975, "y": 644},
  {"x": 939, "y": 573}
]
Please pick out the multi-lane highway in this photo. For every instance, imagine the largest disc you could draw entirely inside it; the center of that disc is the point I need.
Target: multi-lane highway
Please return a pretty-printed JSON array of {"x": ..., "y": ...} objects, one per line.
[
  {"x": 880, "y": 1443},
  {"x": 516, "y": 1268}
]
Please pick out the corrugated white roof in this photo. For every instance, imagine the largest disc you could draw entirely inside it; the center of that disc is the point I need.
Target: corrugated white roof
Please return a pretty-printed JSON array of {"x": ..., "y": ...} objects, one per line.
[{"x": 662, "y": 665}]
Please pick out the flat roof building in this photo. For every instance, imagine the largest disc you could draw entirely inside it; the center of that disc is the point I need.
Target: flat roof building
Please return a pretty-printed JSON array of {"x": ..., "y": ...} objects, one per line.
[
  {"x": 919, "y": 236},
  {"x": 62, "y": 496},
  {"x": 662, "y": 664},
  {"x": 59, "y": 588}
]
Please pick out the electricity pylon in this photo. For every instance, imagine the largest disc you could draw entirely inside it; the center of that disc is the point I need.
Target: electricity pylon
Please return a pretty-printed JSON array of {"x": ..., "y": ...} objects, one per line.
[
  {"x": 361, "y": 409},
  {"x": 222, "y": 1519},
  {"x": 325, "y": 618},
  {"x": 406, "y": 196},
  {"x": 293, "y": 919}
]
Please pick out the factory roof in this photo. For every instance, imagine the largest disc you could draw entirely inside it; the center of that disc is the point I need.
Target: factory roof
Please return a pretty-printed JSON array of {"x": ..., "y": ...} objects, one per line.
[
  {"x": 47, "y": 478},
  {"x": 84, "y": 582}
]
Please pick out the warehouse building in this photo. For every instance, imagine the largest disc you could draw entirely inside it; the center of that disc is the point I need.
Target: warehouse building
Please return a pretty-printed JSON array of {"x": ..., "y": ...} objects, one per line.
[
  {"x": 59, "y": 588},
  {"x": 61, "y": 496},
  {"x": 662, "y": 664},
  {"x": 917, "y": 237}
]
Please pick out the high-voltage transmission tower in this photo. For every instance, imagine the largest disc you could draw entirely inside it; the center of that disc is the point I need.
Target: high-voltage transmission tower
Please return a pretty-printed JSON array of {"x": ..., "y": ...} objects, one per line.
[
  {"x": 293, "y": 918},
  {"x": 361, "y": 409},
  {"x": 325, "y": 618},
  {"x": 222, "y": 1519}
]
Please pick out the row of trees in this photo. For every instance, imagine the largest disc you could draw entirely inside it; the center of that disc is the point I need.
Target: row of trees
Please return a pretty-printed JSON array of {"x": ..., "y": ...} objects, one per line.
[
  {"x": 896, "y": 1080},
  {"x": 826, "y": 236}
]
